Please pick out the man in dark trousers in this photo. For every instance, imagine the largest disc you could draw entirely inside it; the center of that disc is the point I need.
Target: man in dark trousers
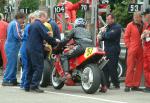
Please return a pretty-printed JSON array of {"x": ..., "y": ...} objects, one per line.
[
  {"x": 111, "y": 37},
  {"x": 35, "y": 51}
]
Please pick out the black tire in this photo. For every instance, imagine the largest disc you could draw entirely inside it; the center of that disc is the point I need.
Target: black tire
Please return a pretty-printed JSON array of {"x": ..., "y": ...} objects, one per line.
[
  {"x": 120, "y": 69},
  {"x": 56, "y": 84},
  {"x": 96, "y": 79},
  {"x": 46, "y": 77}
]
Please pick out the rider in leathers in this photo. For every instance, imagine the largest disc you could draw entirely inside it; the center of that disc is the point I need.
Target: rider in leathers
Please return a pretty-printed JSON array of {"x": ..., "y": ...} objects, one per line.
[{"x": 82, "y": 39}]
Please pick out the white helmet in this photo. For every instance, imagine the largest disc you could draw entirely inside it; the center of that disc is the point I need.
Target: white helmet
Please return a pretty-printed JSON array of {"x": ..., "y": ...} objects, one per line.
[{"x": 80, "y": 22}]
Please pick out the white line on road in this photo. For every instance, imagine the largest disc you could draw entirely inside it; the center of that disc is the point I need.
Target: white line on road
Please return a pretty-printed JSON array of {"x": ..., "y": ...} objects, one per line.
[
  {"x": 86, "y": 97},
  {"x": 80, "y": 96}
]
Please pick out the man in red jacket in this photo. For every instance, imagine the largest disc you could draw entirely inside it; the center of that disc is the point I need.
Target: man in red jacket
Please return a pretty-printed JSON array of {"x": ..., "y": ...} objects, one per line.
[
  {"x": 133, "y": 42},
  {"x": 3, "y": 35},
  {"x": 70, "y": 12},
  {"x": 146, "y": 39}
]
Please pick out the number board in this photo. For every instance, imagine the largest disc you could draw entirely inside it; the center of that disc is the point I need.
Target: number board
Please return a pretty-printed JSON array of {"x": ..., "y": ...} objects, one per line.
[
  {"x": 88, "y": 52},
  {"x": 85, "y": 6},
  {"x": 134, "y": 7},
  {"x": 25, "y": 10},
  {"x": 8, "y": 9},
  {"x": 104, "y": 1},
  {"x": 59, "y": 9}
]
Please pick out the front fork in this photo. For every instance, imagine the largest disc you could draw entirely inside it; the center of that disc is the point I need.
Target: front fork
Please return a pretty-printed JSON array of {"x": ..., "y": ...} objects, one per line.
[{"x": 58, "y": 65}]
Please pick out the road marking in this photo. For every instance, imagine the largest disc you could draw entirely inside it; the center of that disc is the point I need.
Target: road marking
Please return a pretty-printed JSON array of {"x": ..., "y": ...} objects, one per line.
[
  {"x": 80, "y": 96},
  {"x": 86, "y": 97}
]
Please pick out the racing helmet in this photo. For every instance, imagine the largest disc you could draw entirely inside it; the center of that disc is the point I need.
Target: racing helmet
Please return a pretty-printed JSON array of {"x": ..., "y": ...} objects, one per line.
[{"x": 80, "y": 22}]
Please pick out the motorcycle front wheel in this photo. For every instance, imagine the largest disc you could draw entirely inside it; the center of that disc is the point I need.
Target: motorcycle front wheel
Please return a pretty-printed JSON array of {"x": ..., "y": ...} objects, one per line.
[
  {"x": 90, "y": 80},
  {"x": 57, "y": 83}
]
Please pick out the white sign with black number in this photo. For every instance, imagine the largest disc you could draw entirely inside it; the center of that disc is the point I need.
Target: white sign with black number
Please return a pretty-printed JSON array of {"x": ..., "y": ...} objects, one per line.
[
  {"x": 25, "y": 10},
  {"x": 85, "y": 7},
  {"x": 104, "y": 1},
  {"x": 8, "y": 9},
  {"x": 134, "y": 7},
  {"x": 59, "y": 9}
]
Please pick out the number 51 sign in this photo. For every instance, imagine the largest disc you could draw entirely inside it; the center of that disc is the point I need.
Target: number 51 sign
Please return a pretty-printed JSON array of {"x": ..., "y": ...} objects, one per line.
[{"x": 134, "y": 7}]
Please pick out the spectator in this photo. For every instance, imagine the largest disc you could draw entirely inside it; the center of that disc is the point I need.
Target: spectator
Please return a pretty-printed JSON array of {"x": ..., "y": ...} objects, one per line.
[
  {"x": 146, "y": 39},
  {"x": 70, "y": 12},
  {"x": 31, "y": 19},
  {"x": 35, "y": 51},
  {"x": 3, "y": 35},
  {"x": 133, "y": 42},
  {"x": 55, "y": 29},
  {"x": 12, "y": 46},
  {"x": 111, "y": 37}
]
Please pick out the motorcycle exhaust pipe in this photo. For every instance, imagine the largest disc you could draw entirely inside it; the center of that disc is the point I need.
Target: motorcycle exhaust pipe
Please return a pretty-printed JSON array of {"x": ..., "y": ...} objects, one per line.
[{"x": 102, "y": 62}]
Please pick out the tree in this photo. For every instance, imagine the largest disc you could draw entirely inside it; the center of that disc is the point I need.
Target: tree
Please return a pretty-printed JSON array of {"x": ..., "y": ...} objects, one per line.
[
  {"x": 121, "y": 12},
  {"x": 2, "y": 3},
  {"x": 31, "y": 4}
]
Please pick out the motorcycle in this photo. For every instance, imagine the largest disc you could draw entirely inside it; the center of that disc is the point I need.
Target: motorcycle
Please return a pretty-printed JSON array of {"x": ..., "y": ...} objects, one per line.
[{"x": 84, "y": 69}]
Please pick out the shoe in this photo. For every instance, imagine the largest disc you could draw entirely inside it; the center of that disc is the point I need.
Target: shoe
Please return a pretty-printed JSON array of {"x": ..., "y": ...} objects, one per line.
[
  {"x": 16, "y": 83},
  {"x": 117, "y": 87},
  {"x": 26, "y": 89},
  {"x": 103, "y": 89},
  {"x": 37, "y": 90},
  {"x": 43, "y": 85},
  {"x": 127, "y": 89},
  {"x": 146, "y": 90},
  {"x": 7, "y": 83},
  {"x": 136, "y": 89},
  {"x": 114, "y": 88}
]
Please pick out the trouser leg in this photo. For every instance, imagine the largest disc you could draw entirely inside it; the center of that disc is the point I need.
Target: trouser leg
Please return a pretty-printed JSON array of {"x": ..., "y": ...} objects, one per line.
[
  {"x": 131, "y": 61},
  {"x": 106, "y": 74},
  {"x": 76, "y": 51},
  {"x": 28, "y": 77},
  {"x": 3, "y": 55},
  {"x": 24, "y": 68},
  {"x": 11, "y": 68},
  {"x": 113, "y": 69},
  {"x": 37, "y": 60},
  {"x": 139, "y": 68},
  {"x": 103, "y": 79}
]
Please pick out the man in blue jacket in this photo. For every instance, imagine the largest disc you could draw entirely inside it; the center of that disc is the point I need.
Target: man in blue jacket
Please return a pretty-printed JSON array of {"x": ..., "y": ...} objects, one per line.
[
  {"x": 111, "y": 37},
  {"x": 12, "y": 46},
  {"x": 55, "y": 29},
  {"x": 23, "y": 52},
  {"x": 35, "y": 51}
]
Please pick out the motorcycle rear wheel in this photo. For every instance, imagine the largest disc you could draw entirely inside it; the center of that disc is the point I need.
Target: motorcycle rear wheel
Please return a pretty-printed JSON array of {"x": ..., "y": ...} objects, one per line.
[{"x": 90, "y": 80}]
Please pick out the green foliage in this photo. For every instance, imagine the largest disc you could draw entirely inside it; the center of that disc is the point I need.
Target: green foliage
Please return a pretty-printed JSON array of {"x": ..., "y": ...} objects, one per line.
[
  {"x": 31, "y": 4},
  {"x": 73, "y": 1},
  {"x": 2, "y": 3},
  {"x": 121, "y": 13}
]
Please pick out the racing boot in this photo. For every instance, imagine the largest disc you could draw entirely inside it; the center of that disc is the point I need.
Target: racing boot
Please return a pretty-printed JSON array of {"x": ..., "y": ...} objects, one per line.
[{"x": 103, "y": 89}]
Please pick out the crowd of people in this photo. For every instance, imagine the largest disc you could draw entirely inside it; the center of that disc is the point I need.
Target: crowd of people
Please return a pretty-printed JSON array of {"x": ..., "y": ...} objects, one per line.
[
  {"x": 28, "y": 39},
  {"x": 136, "y": 39}
]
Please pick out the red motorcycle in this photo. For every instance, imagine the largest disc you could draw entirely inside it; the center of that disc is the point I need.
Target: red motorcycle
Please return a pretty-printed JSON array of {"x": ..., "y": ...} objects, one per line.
[{"x": 84, "y": 69}]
